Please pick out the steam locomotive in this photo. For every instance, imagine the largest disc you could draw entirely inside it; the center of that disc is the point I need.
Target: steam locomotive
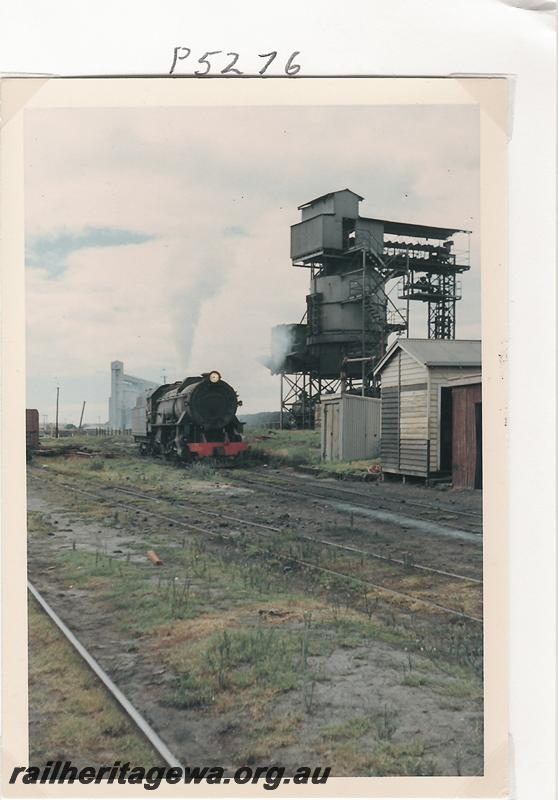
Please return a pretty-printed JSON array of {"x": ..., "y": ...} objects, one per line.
[{"x": 190, "y": 419}]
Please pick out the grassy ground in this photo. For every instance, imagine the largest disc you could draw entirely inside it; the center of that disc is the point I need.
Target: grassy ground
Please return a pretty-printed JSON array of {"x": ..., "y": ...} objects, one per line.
[
  {"x": 128, "y": 468},
  {"x": 278, "y": 448},
  {"x": 243, "y": 639},
  {"x": 302, "y": 448},
  {"x": 237, "y": 639},
  {"x": 170, "y": 482},
  {"x": 72, "y": 717},
  {"x": 286, "y": 447},
  {"x": 145, "y": 473},
  {"x": 94, "y": 443}
]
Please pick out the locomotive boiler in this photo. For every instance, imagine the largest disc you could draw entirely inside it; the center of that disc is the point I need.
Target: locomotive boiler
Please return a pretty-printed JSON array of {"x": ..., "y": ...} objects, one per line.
[{"x": 190, "y": 419}]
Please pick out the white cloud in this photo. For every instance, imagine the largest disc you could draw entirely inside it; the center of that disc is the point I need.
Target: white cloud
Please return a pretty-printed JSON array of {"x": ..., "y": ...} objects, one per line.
[{"x": 197, "y": 296}]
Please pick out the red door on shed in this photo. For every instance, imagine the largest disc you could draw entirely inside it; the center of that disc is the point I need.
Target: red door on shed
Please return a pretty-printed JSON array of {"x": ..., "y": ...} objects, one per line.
[{"x": 467, "y": 436}]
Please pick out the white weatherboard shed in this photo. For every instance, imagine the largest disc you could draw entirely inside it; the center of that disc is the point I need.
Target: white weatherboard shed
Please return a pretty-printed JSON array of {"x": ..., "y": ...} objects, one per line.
[
  {"x": 416, "y": 411},
  {"x": 350, "y": 426}
]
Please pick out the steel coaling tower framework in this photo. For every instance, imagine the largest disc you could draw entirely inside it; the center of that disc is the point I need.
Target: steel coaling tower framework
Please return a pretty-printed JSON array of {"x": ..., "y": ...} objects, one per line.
[{"x": 423, "y": 272}]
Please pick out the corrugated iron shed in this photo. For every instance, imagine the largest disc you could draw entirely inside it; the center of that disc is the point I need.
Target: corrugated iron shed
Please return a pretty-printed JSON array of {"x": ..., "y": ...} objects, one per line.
[{"x": 350, "y": 426}]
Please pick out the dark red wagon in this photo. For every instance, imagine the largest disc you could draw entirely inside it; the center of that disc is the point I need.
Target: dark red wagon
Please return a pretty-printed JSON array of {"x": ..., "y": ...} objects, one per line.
[{"x": 31, "y": 431}]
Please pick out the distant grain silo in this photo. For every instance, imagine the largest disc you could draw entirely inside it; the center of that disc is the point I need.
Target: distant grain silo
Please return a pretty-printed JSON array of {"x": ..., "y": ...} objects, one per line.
[{"x": 124, "y": 391}]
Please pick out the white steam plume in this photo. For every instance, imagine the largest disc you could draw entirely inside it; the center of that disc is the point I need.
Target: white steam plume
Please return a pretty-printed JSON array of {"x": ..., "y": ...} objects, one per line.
[
  {"x": 282, "y": 340},
  {"x": 191, "y": 281}
]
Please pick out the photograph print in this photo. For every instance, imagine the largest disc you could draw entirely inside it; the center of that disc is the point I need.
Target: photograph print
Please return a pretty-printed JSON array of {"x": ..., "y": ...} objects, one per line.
[{"x": 254, "y": 437}]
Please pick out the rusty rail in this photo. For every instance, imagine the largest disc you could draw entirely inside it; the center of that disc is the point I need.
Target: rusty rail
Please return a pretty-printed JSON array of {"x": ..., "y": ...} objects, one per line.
[
  {"x": 130, "y": 710},
  {"x": 286, "y": 558}
]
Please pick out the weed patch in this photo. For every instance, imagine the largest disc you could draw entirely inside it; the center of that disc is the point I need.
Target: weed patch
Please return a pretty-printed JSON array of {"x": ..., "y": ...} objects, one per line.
[
  {"x": 38, "y": 524},
  {"x": 414, "y": 679},
  {"x": 401, "y": 759},
  {"x": 288, "y": 447},
  {"x": 72, "y": 713},
  {"x": 386, "y": 722}
]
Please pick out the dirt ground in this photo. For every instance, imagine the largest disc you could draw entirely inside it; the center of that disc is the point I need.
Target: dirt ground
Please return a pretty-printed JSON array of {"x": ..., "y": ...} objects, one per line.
[
  {"x": 70, "y": 713},
  {"x": 236, "y": 658},
  {"x": 391, "y": 487}
]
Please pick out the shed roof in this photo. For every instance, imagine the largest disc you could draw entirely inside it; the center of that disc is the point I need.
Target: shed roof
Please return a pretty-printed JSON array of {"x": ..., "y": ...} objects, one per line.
[
  {"x": 415, "y": 229},
  {"x": 394, "y": 227},
  {"x": 329, "y": 194},
  {"x": 464, "y": 380},
  {"x": 437, "y": 352}
]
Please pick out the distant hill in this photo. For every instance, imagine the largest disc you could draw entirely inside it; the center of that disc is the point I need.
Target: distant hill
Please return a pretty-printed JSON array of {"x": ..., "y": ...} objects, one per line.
[{"x": 262, "y": 419}]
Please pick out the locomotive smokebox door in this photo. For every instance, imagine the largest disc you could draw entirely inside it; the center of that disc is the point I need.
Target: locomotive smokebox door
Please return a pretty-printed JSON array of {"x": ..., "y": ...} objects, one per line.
[{"x": 212, "y": 405}]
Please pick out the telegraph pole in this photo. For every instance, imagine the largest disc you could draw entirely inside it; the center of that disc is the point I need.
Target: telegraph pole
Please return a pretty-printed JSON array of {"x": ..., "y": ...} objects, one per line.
[
  {"x": 281, "y": 410},
  {"x": 363, "y": 321},
  {"x": 56, "y": 424},
  {"x": 81, "y": 417},
  {"x": 408, "y": 301}
]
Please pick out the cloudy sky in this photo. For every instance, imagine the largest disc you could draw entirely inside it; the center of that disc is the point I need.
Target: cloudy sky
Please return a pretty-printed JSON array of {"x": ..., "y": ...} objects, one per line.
[{"x": 161, "y": 239}]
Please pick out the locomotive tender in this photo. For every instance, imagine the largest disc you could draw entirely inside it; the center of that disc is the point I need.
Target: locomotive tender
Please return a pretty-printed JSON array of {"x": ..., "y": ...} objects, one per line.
[{"x": 190, "y": 419}]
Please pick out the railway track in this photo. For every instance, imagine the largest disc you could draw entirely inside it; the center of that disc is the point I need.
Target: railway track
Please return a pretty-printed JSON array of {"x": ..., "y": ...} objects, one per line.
[
  {"x": 305, "y": 537},
  {"x": 470, "y": 523},
  {"x": 415, "y": 565},
  {"x": 289, "y": 559},
  {"x": 127, "y": 707}
]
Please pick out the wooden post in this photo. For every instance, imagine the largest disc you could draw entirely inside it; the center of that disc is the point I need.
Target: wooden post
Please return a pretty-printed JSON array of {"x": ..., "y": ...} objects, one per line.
[
  {"x": 428, "y": 462},
  {"x": 56, "y": 425},
  {"x": 363, "y": 368},
  {"x": 343, "y": 377},
  {"x": 408, "y": 308},
  {"x": 281, "y": 410},
  {"x": 154, "y": 558},
  {"x": 81, "y": 417}
]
